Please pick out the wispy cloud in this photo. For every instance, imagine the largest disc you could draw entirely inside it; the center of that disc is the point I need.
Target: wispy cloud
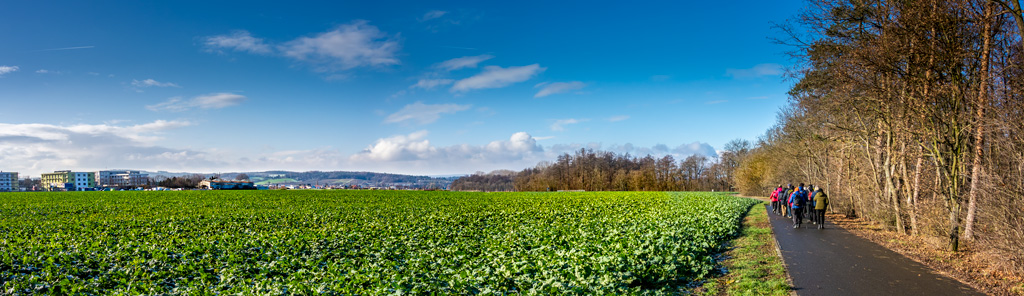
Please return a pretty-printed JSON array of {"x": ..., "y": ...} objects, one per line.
[
  {"x": 679, "y": 152},
  {"x": 618, "y": 118},
  {"x": 433, "y": 14},
  {"x": 756, "y": 71},
  {"x": 715, "y": 102},
  {"x": 463, "y": 62},
  {"x": 7, "y": 69},
  {"x": 431, "y": 83},
  {"x": 559, "y": 125},
  {"x": 558, "y": 87},
  {"x": 151, "y": 82},
  {"x": 348, "y": 46},
  {"x": 239, "y": 40},
  {"x": 424, "y": 113},
  {"x": 356, "y": 44},
  {"x": 496, "y": 77},
  {"x": 68, "y": 48},
  {"x": 208, "y": 101}
]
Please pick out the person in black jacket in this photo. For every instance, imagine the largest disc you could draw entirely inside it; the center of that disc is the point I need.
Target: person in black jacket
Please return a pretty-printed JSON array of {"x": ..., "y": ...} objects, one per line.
[
  {"x": 798, "y": 201},
  {"x": 784, "y": 198}
]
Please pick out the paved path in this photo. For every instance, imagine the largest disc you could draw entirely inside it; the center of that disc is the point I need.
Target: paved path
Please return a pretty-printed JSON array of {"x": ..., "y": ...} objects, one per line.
[{"x": 833, "y": 261}]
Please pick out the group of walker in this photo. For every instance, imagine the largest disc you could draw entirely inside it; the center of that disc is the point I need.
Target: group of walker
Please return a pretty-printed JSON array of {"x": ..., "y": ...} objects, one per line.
[{"x": 794, "y": 202}]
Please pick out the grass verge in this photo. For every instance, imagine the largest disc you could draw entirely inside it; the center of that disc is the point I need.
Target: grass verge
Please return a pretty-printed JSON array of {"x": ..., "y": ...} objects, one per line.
[{"x": 753, "y": 265}]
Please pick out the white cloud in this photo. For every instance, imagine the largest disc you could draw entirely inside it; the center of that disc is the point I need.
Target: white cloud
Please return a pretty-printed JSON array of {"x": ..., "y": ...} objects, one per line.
[
  {"x": 433, "y": 14},
  {"x": 35, "y": 148},
  {"x": 463, "y": 62},
  {"x": 715, "y": 102},
  {"x": 756, "y": 71},
  {"x": 357, "y": 44},
  {"x": 424, "y": 113},
  {"x": 618, "y": 118},
  {"x": 431, "y": 83},
  {"x": 42, "y": 71},
  {"x": 559, "y": 125},
  {"x": 399, "y": 148},
  {"x": 558, "y": 87},
  {"x": 415, "y": 154},
  {"x": 151, "y": 82},
  {"x": 239, "y": 40},
  {"x": 208, "y": 101},
  {"x": 415, "y": 149},
  {"x": 7, "y": 69},
  {"x": 496, "y": 77}
]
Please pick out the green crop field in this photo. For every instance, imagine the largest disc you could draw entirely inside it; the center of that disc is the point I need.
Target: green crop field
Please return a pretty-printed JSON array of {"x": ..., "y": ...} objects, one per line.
[
  {"x": 275, "y": 181},
  {"x": 361, "y": 242}
]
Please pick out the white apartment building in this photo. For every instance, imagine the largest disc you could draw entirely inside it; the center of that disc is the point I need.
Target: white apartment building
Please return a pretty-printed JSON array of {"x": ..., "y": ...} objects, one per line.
[
  {"x": 9, "y": 181},
  {"x": 121, "y": 179}
]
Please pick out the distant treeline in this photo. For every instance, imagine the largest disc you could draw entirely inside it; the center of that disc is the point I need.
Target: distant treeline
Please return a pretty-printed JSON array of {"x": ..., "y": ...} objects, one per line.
[
  {"x": 606, "y": 171},
  {"x": 485, "y": 182},
  {"x": 909, "y": 113},
  {"x": 191, "y": 181}
]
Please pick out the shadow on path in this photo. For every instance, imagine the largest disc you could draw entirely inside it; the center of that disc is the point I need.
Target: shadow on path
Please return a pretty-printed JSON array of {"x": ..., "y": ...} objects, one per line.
[{"x": 833, "y": 261}]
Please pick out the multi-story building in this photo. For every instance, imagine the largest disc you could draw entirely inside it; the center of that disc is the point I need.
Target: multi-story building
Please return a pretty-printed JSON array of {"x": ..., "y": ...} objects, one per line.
[
  {"x": 121, "y": 179},
  {"x": 68, "y": 180},
  {"x": 8, "y": 181}
]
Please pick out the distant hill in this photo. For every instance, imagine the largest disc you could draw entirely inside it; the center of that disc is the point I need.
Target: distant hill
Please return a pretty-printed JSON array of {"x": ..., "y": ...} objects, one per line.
[{"x": 336, "y": 178}]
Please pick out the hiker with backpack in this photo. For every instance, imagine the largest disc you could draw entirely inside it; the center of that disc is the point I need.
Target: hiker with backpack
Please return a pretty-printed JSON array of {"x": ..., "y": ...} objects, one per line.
[
  {"x": 820, "y": 205},
  {"x": 798, "y": 201},
  {"x": 775, "y": 200}
]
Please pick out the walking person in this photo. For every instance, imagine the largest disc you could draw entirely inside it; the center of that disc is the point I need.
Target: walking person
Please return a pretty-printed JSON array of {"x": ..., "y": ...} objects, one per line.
[
  {"x": 775, "y": 200},
  {"x": 809, "y": 210},
  {"x": 798, "y": 201},
  {"x": 820, "y": 205},
  {"x": 784, "y": 200}
]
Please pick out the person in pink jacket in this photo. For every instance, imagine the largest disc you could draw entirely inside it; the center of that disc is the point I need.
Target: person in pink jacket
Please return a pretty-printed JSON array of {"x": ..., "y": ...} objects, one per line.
[{"x": 776, "y": 207}]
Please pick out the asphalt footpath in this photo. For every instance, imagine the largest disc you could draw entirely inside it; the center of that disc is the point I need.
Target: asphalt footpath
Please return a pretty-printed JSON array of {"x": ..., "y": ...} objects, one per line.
[{"x": 833, "y": 261}]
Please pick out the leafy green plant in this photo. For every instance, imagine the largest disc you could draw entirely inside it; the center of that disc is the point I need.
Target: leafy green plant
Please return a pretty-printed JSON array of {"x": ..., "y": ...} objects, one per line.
[{"x": 361, "y": 242}]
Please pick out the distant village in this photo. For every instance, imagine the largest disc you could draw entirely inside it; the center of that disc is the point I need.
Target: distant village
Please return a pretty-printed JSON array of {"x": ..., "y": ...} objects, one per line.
[{"x": 137, "y": 180}]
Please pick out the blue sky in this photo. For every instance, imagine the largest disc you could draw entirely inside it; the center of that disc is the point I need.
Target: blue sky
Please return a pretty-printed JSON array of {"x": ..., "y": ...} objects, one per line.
[{"x": 405, "y": 87}]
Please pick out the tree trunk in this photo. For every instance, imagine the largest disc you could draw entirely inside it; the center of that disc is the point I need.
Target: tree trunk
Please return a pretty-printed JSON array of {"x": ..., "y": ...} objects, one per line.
[
  {"x": 912, "y": 204},
  {"x": 954, "y": 227},
  {"x": 979, "y": 122},
  {"x": 890, "y": 188}
]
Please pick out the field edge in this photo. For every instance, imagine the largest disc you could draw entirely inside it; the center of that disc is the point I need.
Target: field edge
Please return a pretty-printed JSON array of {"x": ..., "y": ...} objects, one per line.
[{"x": 752, "y": 264}]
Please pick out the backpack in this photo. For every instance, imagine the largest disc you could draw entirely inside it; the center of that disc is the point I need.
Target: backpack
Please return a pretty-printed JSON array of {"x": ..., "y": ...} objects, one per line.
[{"x": 799, "y": 198}]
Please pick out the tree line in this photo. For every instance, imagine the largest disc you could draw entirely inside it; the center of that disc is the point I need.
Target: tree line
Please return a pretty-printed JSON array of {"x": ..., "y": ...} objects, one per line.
[
  {"x": 591, "y": 170},
  {"x": 908, "y": 113},
  {"x": 500, "y": 180}
]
